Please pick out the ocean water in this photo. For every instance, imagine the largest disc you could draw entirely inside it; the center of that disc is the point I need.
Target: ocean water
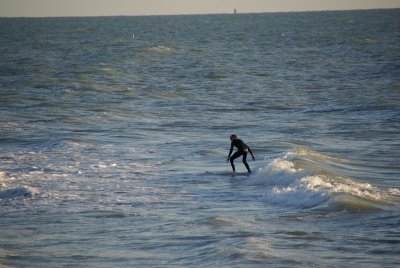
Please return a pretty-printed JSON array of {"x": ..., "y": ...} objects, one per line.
[{"x": 114, "y": 133}]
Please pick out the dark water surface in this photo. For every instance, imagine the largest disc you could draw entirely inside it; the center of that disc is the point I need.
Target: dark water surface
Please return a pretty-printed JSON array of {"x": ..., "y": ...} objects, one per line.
[{"x": 114, "y": 133}]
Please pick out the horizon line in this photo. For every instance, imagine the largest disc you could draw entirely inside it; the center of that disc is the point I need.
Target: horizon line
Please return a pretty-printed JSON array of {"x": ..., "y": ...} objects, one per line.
[{"x": 198, "y": 14}]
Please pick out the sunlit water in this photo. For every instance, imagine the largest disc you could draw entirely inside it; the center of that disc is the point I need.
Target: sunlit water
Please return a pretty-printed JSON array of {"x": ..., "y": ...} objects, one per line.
[{"x": 114, "y": 134}]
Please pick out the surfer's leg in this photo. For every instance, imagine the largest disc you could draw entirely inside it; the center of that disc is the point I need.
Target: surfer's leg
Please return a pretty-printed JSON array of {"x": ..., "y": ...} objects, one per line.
[
  {"x": 245, "y": 162},
  {"x": 233, "y": 157},
  {"x": 233, "y": 165}
]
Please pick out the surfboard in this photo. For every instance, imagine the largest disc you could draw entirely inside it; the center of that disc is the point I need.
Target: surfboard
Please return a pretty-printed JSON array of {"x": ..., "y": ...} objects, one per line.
[
  {"x": 241, "y": 174},
  {"x": 229, "y": 173}
]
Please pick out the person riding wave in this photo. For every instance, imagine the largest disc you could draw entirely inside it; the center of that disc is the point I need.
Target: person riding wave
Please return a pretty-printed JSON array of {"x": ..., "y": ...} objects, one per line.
[{"x": 243, "y": 149}]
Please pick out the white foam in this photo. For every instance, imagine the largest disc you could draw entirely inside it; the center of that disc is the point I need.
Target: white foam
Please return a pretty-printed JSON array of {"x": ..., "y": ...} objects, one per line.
[
  {"x": 277, "y": 172},
  {"x": 160, "y": 49},
  {"x": 305, "y": 192},
  {"x": 394, "y": 191}
]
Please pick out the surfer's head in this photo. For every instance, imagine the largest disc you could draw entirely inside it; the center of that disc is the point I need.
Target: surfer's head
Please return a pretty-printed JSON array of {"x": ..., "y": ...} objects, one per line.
[{"x": 233, "y": 136}]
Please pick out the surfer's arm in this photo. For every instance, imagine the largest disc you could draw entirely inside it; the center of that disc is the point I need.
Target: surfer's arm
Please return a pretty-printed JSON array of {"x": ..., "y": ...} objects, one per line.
[
  {"x": 252, "y": 155},
  {"x": 230, "y": 152}
]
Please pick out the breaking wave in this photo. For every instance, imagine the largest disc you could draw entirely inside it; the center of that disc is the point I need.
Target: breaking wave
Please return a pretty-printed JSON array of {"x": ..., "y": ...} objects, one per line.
[{"x": 289, "y": 182}]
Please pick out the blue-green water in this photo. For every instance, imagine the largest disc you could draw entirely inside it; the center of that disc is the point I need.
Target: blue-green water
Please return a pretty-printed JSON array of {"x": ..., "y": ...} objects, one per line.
[{"x": 114, "y": 133}]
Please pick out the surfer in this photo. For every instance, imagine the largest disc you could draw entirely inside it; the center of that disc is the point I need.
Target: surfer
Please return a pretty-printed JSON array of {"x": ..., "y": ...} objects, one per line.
[{"x": 243, "y": 149}]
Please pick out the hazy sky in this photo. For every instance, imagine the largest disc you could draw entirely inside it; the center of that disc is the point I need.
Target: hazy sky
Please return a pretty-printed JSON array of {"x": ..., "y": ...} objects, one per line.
[{"x": 43, "y": 8}]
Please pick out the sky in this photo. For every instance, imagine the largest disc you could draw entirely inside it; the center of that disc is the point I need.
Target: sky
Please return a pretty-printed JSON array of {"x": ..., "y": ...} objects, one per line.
[{"x": 55, "y": 8}]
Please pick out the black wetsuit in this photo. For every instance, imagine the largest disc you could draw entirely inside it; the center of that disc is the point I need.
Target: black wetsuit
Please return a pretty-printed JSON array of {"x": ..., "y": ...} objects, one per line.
[{"x": 242, "y": 150}]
